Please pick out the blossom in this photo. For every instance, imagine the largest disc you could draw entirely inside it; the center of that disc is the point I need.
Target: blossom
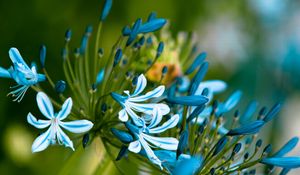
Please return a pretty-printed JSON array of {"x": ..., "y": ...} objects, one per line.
[
  {"x": 55, "y": 134},
  {"x": 131, "y": 103},
  {"x": 22, "y": 74},
  {"x": 143, "y": 137}
]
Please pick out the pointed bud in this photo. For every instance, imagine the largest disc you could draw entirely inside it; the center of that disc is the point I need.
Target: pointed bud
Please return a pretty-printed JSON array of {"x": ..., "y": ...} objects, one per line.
[
  {"x": 68, "y": 35},
  {"x": 85, "y": 140},
  {"x": 118, "y": 57},
  {"x": 183, "y": 143},
  {"x": 220, "y": 145},
  {"x": 43, "y": 55},
  {"x": 160, "y": 49},
  {"x": 123, "y": 136},
  {"x": 100, "y": 77},
  {"x": 60, "y": 86},
  {"x": 122, "y": 153},
  {"x": 106, "y": 9}
]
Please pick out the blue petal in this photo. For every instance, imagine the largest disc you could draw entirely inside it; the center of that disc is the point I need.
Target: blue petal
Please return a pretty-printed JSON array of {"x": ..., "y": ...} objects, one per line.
[
  {"x": 250, "y": 110},
  {"x": 141, "y": 84},
  {"x": 156, "y": 118},
  {"x": 45, "y": 105},
  {"x": 250, "y": 128},
  {"x": 65, "y": 109},
  {"x": 150, "y": 154},
  {"x": 78, "y": 126},
  {"x": 197, "y": 62},
  {"x": 214, "y": 86},
  {"x": 198, "y": 78},
  {"x": 195, "y": 100},
  {"x": 123, "y": 136},
  {"x": 42, "y": 141},
  {"x": 106, "y": 8},
  {"x": 287, "y": 147},
  {"x": 232, "y": 101},
  {"x": 135, "y": 118},
  {"x": 172, "y": 122},
  {"x": 4, "y": 73},
  {"x": 167, "y": 143},
  {"x": 64, "y": 139},
  {"x": 157, "y": 92},
  {"x": 273, "y": 111},
  {"x": 40, "y": 124},
  {"x": 135, "y": 146},
  {"x": 284, "y": 162},
  {"x": 16, "y": 57},
  {"x": 41, "y": 77},
  {"x": 152, "y": 26}
]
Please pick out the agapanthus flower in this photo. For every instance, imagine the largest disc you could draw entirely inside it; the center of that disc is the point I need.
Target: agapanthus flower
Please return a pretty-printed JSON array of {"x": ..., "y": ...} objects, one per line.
[
  {"x": 132, "y": 102},
  {"x": 55, "y": 134},
  {"x": 23, "y": 75}
]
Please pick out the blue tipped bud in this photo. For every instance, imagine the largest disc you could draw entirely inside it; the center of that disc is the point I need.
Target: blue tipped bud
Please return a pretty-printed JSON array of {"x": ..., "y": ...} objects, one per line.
[
  {"x": 149, "y": 40},
  {"x": 183, "y": 143},
  {"x": 83, "y": 45},
  {"x": 126, "y": 31},
  {"x": 64, "y": 54},
  {"x": 122, "y": 153},
  {"x": 85, "y": 140},
  {"x": 106, "y": 9},
  {"x": 195, "y": 100},
  {"x": 197, "y": 62},
  {"x": 198, "y": 78},
  {"x": 151, "y": 16},
  {"x": 164, "y": 70},
  {"x": 220, "y": 145},
  {"x": 267, "y": 149},
  {"x": 123, "y": 136},
  {"x": 250, "y": 110},
  {"x": 43, "y": 55},
  {"x": 68, "y": 35},
  {"x": 152, "y": 26},
  {"x": 141, "y": 41},
  {"x": 284, "y": 162},
  {"x": 196, "y": 112},
  {"x": 118, "y": 57},
  {"x": 134, "y": 32},
  {"x": 134, "y": 80},
  {"x": 104, "y": 107},
  {"x": 236, "y": 149},
  {"x": 272, "y": 113},
  {"x": 250, "y": 128},
  {"x": 60, "y": 86},
  {"x": 160, "y": 49},
  {"x": 89, "y": 30},
  {"x": 286, "y": 148},
  {"x": 100, "y": 77}
]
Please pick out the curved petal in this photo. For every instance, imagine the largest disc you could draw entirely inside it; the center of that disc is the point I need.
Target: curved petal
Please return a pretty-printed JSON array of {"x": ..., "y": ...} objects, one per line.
[
  {"x": 164, "y": 109},
  {"x": 45, "y": 105},
  {"x": 144, "y": 107},
  {"x": 156, "y": 118},
  {"x": 157, "y": 92},
  {"x": 150, "y": 154},
  {"x": 215, "y": 86},
  {"x": 41, "y": 142},
  {"x": 65, "y": 109},
  {"x": 37, "y": 123},
  {"x": 4, "y": 73},
  {"x": 78, "y": 126},
  {"x": 172, "y": 122},
  {"x": 140, "y": 86},
  {"x": 167, "y": 143},
  {"x": 232, "y": 101},
  {"x": 135, "y": 146},
  {"x": 64, "y": 139},
  {"x": 136, "y": 119},
  {"x": 123, "y": 115},
  {"x": 16, "y": 57}
]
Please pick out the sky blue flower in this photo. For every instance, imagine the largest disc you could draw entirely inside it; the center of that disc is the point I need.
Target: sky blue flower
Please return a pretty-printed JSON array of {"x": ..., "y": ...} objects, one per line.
[
  {"x": 22, "y": 74},
  {"x": 131, "y": 103},
  {"x": 55, "y": 134},
  {"x": 143, "y": 136}
]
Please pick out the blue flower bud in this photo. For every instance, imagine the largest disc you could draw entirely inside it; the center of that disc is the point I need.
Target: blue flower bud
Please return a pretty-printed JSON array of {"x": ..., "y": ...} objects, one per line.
[
  {"x": 85, "y": 140},
  {"x": 220, "y": 145},
  {"x": 106, "y": 8},
  {"x": 284, "y": 162},
  {"x": 195, "y": 100},
  {"x": 134, "y": 32},
  {"x": 164, "y": 70},
  {"x": 43, "y": 55},
  {"x": 118, "y": 57},
  {"x": 262, "y": 113},
  {"x": 100, "y": 77},
  {"x": 151, "y": 16},
  {"x": 152, "y": 26},
  {"x": 83, "y": 45},
  {"x": 104, "y": 107},
  {"x": 236, "y": 149},
  {"x": 122, "y": 153},
  {"x": 250, "y": 110},
  {"x": 197, "y": 62},
  {"x": 89, "y": 30},
  {"x": 160, "y": 49},
  {"x": 149, "y": 40},
  {"x": 123, "y": 136},
  {"x": 273, "y": 111},
  {"x": 132, "y": 128},
  {"x": 250, "y": 128},
  {"x": 60, "y": 86},
  {"x": 134, "y": 80},
  {"x": 68, "y": 35},
  {"x": 64, "y": 54},
  {"x": 286, "y": 148},
  {"x": 258, "y": 143},
  {"x": 183, "y": 143},
  {"x": 267, "y": 149},
  {"x": 196, "y": 112},
  {"x": 126, "y": 31},
  {"x": 246, "y": 155},
  {"x": 141, "y": 41},
  {"x": 205, "y": 92},
  {"x": 198, "y": 78}
]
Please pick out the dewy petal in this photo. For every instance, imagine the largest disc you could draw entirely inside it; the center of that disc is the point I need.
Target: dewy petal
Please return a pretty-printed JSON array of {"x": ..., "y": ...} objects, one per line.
[
  {"x": 65, "y": 109},
  {"x": 141, "y": 84},
  {"x": 42, "y": 141},
  {"x": 135, "y": 146},
  {"x": 64, "y": 139},
  {"x": 157, "y": 92},
  {"x": 78, "y": 126},
  {"x": 40, "y": 124},
  {"x": 172, "y": 122},
  {"x": 16, "y": 57},
  {"x": 123, "y": 115},
  {"x": 156, "y": 118},
  {"x": 45, "y": 105},
  {"x": 167, "y": 143}
]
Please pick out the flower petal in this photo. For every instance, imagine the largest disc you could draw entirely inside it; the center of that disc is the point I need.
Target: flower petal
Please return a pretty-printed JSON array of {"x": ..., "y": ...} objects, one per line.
[
  {"x": 16, "y": 57},
  {"x": 45, "y": 105},
  {"x": 41, "y": 142},
  {"x": 136, "y": 119},
  {"x": 167, "y": 143},
  {"x": 150, "y": 154},
  {"x": 156, "y": 118},
  {"x": 141, "y": 84},
  {"x": 78, "y": 126},
  {"x": 123, "y": 115},
  {"x": 4, "y": 73},
  {"x": 40, "y": 124},
  {"x": 157, "y": 92},
  {"x": 172, "y": 122},
  {"x": 215, "y": 86},
  {"x": 64, "y": 139},
  {"x": 65, "y": 109},
  {"x": 135, "y": 146}
]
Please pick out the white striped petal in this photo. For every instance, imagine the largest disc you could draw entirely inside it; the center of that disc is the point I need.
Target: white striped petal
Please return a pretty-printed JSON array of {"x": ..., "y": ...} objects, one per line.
[
  {"x": 135, "y": 146},
  {"x": 140, "y": 86},
  {"x": 16, "y": 57},
  {"x": 156, "y": 118},
  {"x": 136, "y": 119},
  {"x": 77, "y": 126},
  {"x": 157, "y": 92},
  {"x": 40, "y": 124},
  {"x": 65, "y": 109},
  {"x": 149, "y": 152},
  {"x": 172, "y": 122},
  {"x": 167, "y": 143},
  {"x": 42, "y": 141},
  {"x": 64, "y": 139},
  {"x": 123, "y": 115},
  {"x": 45, "y": 105}
]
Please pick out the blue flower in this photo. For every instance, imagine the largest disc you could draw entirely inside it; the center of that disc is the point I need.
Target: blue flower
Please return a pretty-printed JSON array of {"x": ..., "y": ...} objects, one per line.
[
  {"x": 55, "y": 134},
  {"x": 131, "y": 103},
  {"x": 22, "y": 74},
  {"x": 143, "y": 137},
  {"x": 284, "y": 162}
]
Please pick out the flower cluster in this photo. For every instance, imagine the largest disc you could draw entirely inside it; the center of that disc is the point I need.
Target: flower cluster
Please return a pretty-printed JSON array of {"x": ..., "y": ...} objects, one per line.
[{"x": 171, "y": 121}]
